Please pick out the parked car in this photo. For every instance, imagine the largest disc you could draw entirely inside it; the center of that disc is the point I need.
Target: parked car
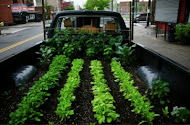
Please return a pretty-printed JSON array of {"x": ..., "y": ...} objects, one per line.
[{"x": 140, "y": 17}]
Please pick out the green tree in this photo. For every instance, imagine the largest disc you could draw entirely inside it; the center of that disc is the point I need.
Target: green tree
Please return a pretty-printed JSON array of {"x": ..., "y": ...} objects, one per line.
[
  {"x": 47, "y": 9},
  {"x": 70, "y": 8},
  {"x": 100, "y": 4}
]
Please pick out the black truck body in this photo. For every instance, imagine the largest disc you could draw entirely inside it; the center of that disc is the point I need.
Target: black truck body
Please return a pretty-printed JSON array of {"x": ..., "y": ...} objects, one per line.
[{"x": 177, "y": 75}]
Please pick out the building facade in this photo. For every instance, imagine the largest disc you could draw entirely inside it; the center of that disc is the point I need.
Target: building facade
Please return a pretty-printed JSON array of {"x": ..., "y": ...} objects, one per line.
[
  {"x": 6, "y": 12},
  {"x": 140, "y": 7},
  {"x": 55, "y": 4},
  {"x": 65, "y": 5}
]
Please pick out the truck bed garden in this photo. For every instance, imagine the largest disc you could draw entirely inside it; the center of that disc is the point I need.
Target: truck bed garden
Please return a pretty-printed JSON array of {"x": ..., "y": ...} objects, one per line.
[{"x": 83, "y": 100}]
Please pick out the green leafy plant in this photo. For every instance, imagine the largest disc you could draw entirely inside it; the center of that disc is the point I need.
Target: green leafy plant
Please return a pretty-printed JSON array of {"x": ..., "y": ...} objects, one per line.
[
  {"x": 181, "y": 114},
  {"x": 160, "y": 89},
  {"x": 38, "y": 94},
  {"x": 94, "y": 46},
  {"x": 140, "y": 103},
  {"x": 46, "y": 53},
  {"x": 71, "y": 49},
  {"x": 108, "y": 51},
  {"x": 165, "y": 112},
  {"x": 91, "y": 52},
  {"x": 103, "y": 100},
  {"x": 58, "y": 40},
  {"x": 125, "y": 53},
  {"x": 51, "y": 123},
  {"x": 182, "y": 33},
  {"x": 67, "y": 93}
]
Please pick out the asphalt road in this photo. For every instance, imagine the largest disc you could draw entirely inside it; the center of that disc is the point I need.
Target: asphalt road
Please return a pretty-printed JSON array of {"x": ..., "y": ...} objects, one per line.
[{"x": 17, "y": 38}]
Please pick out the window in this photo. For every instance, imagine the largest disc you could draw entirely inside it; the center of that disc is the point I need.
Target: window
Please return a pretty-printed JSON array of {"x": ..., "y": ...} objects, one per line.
[
  {"x": 94, "y": 24},
  {"x": 109, "y": 24},
  {"x": 87, "y": 21},
  {"x": 66, "y": 22}
]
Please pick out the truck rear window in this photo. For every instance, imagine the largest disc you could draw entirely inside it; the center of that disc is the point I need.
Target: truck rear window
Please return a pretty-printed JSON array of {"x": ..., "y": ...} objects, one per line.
[{"x": 93, "y": 24}]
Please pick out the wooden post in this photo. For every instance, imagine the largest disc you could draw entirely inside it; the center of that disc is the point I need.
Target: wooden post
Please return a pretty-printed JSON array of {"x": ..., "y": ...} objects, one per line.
[
  {"x": 43, "y": 15},
  {"x": 130, "y": 23},
  {"x": 153, "y": 12},
  {"x": 165, "y": 31},
  {"x": 136, "y": 7},
  {"x": 133, "y": 8},
  {"x": 156, "y": 29},
  {"x": 111, "y": 5},
  {"x": 148, "y": 19}
]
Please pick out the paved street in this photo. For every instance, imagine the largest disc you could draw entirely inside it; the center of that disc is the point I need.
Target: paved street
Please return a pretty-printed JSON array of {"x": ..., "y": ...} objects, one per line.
[{"x": 17, "y": 38}]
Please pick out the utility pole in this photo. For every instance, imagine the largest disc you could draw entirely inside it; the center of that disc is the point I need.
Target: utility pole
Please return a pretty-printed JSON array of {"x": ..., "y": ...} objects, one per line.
[
  {"x": 136, "y": 6},
  {"x": 148, "y": 19},
  {"x": 43, "y": 15},
  {"x": 153, "y": 11},
  {"x": 132, "y": 28},
  {"x": 111, "y": 5},
  {"x": 130, "y": 23}
]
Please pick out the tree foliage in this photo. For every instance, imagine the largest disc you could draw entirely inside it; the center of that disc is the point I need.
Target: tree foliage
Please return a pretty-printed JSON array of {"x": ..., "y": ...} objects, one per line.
[
  {"x": 69, "y": 8},
  {"x": 47, "y": 8},
  {"x": 100, "y": 4}
]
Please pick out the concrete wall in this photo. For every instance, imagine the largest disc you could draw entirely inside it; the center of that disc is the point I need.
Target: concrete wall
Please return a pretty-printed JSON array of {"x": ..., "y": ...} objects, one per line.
[{"x": 5, "y": 11}]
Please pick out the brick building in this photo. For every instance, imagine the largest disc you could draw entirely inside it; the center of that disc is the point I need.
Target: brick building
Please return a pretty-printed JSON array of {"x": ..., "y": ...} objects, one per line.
[
  {"x": 7, "y": 6},
  {"x": 66, "y": 5},
  {"x": 124, "y": 7},
  {"x": 6, "y": 13},
  {"x": 141, "y": 7}
]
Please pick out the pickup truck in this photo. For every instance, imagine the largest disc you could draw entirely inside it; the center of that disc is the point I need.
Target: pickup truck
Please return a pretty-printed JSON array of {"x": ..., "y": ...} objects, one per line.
[{"x": 95, "y": 85}]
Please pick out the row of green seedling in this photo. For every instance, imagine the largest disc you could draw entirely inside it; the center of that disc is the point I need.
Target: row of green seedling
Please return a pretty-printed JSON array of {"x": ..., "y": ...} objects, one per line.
[
  {"x": 103, "y": 100},
  {"x": 67, "y": 96},
  {"x": 141, "y": 105},
  {"x": 28, "y": 109}
]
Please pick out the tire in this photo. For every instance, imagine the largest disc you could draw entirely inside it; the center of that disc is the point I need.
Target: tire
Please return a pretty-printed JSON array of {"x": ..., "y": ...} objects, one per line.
[{"x": 24, "y": 20}]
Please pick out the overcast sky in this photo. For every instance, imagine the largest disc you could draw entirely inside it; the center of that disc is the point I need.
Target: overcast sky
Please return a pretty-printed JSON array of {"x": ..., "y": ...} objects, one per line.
[{"x": 82, "y": 2}]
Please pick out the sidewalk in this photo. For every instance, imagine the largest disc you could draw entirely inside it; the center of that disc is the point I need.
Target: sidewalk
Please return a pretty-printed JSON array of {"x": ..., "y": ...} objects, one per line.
[
  {"x": 5, "y": 30},
  {"x": 176, "y": 52}
]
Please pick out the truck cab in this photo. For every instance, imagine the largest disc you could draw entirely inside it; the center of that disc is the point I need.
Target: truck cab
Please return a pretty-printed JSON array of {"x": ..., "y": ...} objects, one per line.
[{"x": 89, "y": 21}]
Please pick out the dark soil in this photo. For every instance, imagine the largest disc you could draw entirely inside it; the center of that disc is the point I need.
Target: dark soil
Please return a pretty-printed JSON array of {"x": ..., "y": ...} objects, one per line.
[
  {"x": 82, "y": 105},
  {"x": 12, "y": 96},
  {"x": 122, "y": 106},
  {"x": 50, "y": 106}
]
